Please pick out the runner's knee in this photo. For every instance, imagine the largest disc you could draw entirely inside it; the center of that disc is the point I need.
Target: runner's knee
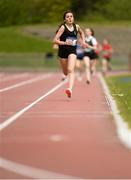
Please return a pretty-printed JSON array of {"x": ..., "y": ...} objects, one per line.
[
  {"x": 65, "y": 73},
  {"x": 70, "y": 70}
]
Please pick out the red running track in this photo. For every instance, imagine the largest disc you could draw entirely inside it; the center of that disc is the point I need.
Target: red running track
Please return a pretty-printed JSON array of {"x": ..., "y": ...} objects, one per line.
[{"x": 46, "y": 135}]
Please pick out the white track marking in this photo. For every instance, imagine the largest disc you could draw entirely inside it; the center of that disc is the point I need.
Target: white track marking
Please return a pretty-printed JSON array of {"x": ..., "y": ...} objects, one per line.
[
  {"x": 35, "y": 173},
  {"x": 25, "y": 82},
  {"x": 74, "y": 112},
  {"x": 14, "y": 76},
  {"x": 60, "y": 114},
  {"x": 56, "y": 137},
  {"x": 124, "y": 133},
  {"x": 29, "y": 171},
  {"x": 18, "y": 114}
]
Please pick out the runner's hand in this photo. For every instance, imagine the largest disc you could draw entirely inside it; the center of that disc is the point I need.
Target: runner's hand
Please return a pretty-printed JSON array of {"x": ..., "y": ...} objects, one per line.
[
  {"x": 84, "y": 45},
  {"x": 69, "y": 42}
]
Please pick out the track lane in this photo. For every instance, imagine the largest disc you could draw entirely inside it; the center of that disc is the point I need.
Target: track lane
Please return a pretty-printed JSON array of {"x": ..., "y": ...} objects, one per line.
[
  {"x": 7, "y": 79},
  {"x": 19, "y": 97},
  {"x": 22, "y": 83},
  {"x": 73, "y": 137}
]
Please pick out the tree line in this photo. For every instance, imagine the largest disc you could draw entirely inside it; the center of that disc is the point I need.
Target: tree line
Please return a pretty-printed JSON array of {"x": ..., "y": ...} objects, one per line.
[{"x": 13, "y": 12}]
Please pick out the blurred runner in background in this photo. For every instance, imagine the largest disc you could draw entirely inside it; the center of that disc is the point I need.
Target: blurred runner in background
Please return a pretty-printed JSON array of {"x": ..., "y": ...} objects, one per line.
[
  {"x": 89, "y": 53},
  {"x": 79, "y": 61},
  {"x": 96, "y": 55},
  {"x": 106, "y": 56}
]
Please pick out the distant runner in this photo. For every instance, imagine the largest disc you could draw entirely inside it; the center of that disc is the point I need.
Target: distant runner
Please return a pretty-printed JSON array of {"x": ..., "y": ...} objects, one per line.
[{"x": 106, "y": 56}]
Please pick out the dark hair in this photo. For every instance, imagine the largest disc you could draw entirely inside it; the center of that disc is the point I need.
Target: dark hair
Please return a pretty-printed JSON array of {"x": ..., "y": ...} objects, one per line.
[
  {"x": 64, "y": 15},
  {"x": 66, "y": 12},
  {"x": 59, "y": 27}
]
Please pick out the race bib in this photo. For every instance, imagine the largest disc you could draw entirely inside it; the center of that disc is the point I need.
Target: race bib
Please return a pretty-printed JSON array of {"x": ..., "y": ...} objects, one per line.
[{"x": 74, "y": 40}]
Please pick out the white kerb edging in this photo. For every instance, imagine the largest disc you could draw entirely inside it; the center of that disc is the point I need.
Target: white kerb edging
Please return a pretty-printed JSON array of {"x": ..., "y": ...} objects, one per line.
[{"x": 123, "y": 131}]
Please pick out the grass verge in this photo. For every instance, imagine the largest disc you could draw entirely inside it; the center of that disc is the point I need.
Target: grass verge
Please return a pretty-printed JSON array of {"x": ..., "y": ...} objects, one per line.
[
  {"x": 11, "y": 40},
  {"x": 120, "y": 88}
]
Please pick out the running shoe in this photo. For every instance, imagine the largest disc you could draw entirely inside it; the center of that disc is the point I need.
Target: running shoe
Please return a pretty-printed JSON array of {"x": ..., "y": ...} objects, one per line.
[{"x": 68, "y": 93}]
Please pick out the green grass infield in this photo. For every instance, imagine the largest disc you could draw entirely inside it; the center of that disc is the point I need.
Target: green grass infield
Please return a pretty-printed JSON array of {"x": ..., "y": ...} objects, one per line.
[{"x": 120, "y": 88}]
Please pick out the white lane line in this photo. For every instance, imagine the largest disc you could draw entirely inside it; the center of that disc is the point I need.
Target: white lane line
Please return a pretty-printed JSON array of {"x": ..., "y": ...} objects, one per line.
[
  {"x": 124, "y": 133},
  {"x": 67, "y": 113},
  {"x": 25, "y": 82},
  {"x": 18, "y": 114},
  {"x": 57, "y": 137},
  {"x": 29, "y": 171},
  {"x": 13, "y": 76}
]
